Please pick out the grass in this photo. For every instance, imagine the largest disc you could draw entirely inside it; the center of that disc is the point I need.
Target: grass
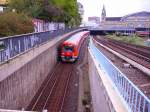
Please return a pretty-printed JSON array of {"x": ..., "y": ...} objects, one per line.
[{"x": 128, "y": 39}]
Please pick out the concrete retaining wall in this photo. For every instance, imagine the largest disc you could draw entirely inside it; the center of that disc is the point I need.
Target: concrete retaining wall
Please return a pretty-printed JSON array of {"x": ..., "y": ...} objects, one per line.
[{"x": 22, "y": 76}]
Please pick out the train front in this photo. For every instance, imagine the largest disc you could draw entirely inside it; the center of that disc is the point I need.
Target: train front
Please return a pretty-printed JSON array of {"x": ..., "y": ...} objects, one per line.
[{"x": 68, "y": 52}]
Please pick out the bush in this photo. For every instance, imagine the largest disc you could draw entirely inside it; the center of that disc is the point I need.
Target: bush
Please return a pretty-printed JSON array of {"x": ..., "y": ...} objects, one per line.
[
  {"x": 128, "y": 39},
  {"x": 12, "y": 23}
]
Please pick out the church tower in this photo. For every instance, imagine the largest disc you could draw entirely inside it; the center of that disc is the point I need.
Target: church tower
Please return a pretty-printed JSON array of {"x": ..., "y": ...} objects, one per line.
[{"x": 103, "y": 15}]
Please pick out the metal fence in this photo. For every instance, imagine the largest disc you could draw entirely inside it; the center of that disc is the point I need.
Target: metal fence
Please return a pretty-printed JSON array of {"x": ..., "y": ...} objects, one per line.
[
  {"x": 14, "y": 45},
  {"x": 135, "y": 100}
]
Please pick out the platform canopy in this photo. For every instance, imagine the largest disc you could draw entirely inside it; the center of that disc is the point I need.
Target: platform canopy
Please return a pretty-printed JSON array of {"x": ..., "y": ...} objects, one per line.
[{"x": 114, "y": 29}]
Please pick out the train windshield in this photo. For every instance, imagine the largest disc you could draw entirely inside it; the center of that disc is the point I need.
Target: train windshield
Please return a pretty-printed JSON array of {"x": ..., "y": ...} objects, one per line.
[{"x": 68, "y": 48}]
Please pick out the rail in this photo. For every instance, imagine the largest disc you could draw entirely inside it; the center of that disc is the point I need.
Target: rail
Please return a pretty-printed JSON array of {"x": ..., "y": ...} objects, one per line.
[
  {"x": 135, "y": 100},
  {"x": 6, "y": 110},
  {"x": 12, "y": 46}
]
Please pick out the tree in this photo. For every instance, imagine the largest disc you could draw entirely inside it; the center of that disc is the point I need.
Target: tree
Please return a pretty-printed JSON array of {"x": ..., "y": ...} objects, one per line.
[
  {"x": 12, "y": 23},
  {"x": 51, "y": 10},
  {"x": 70, "y": 13},
  {"x": 29, "y": 7}
]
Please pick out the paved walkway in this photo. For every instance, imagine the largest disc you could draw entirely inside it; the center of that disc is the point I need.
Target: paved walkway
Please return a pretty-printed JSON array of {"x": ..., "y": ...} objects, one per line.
[{"x": 98, "y": 97}]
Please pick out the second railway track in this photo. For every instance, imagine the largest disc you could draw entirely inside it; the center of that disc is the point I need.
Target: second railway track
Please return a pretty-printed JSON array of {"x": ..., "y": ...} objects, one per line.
[
  {"x": 134, "y": 53},
  {"x": 138, "y": 77}
]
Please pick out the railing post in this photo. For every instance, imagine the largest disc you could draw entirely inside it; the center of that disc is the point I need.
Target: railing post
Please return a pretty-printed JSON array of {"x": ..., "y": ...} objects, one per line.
[
  {"x": 149, "y": 107},
  {"x": 14, "y": 45},
  {"x": 133, "y": 97}
]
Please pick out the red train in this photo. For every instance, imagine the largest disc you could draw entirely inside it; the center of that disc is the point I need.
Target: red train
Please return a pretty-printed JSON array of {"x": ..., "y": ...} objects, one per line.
[
  {"x": 143, "y": 33},
  {"x": 69, "y": 49}
]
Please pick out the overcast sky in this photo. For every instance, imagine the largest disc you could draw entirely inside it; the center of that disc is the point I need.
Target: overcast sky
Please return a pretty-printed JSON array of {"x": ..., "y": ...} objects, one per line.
[{"x": 114, "y": 8}]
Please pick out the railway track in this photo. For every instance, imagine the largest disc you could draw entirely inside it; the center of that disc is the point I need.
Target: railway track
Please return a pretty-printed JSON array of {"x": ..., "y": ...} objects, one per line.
[
  {"x": 142, "y": 50},
  {"x": 56, "y": 103},
  {"x": 136, "y": 54},
  {"x": 139, "y": 78},
  {"x": 58, "y": 93},
  {"x": 51, "y": 96},
  {"x": 137, "y": 47}
]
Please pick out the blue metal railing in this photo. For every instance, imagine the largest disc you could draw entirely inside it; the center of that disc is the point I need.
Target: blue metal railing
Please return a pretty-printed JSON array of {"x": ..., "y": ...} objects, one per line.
[
  {"x": 14, "y": 45},
  {"x": 135, "y": 100}
]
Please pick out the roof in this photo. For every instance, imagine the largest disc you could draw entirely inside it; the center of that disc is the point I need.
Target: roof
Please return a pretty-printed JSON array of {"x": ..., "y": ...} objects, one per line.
[
  {"x": 3, "y": 2},
  {"x": 143, "y": 13},
  {"x": 76, "y": 38},
  {"x": 93, "y": 18},
  {"x": 121, "y": 28},
  {"x": 115, "y": 29},
  {"x": 113, "y": 18}
]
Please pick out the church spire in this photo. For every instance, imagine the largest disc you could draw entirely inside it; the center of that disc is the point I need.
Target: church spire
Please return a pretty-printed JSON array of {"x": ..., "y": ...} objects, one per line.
[{"x": 103, "y": 15}]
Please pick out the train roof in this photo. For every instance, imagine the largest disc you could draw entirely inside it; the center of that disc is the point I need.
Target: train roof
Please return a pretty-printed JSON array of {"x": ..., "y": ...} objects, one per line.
[{"x": 74, "y": 39}]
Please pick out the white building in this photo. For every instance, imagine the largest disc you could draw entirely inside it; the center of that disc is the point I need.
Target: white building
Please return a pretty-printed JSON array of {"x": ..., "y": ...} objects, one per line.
[
  {"x": 95, "y": 20},
  {"x": 1, "y": 9},
  {"x": 81, "y": 10},
  {"x": 3, "y": 5}
]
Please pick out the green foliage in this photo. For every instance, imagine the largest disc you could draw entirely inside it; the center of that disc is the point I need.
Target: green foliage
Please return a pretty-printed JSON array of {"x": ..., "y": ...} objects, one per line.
[
  {"x": 71, "y": 15},
  {"x": 129, "y": 39},
  {"x": 13, "y": 24},
  {"x": 29, "y": 7},
  {"x": 51, "y": 10}
]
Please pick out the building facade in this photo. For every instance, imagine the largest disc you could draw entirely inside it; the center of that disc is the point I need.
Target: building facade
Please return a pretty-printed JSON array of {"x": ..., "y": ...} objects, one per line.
[
  {"x": 80, "y": 9},
  {"x": 3, "y": 5},
  {"x": 94, "y": 19},
  {"x": 135, "y": 20}
]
